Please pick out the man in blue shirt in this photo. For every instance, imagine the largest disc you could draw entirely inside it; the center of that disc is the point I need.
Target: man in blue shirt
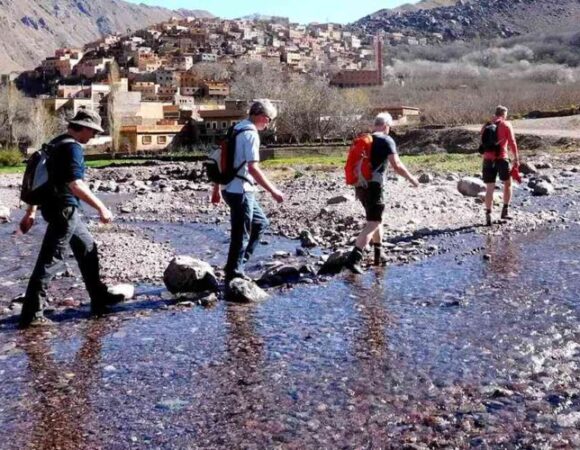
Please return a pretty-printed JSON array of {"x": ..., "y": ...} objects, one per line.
[
  {"x": 383, "y": 151},
  {"x": 66, "y": 170}
]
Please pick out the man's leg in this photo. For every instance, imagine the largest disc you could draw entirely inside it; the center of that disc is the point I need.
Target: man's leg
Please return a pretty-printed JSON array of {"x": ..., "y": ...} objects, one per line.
[
  {"x": 259, "y": 224},
  {"x": 85, "y": 251},
  {"x": 363, "y": 239},
  {"x": 505, "y": 176},
  {"x": 489, "y": 175},
  {"x": 241, "y": 220},
  {"x": 49, "y": 262},
  {"x": 489, "y": 190}
]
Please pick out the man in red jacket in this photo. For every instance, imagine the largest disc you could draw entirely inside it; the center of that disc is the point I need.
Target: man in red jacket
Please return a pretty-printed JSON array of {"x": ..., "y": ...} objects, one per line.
[{"x": 496, "y": 162}]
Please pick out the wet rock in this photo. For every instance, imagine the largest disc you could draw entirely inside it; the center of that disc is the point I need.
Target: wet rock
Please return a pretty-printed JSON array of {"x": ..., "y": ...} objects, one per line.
[
  {"x": 4, "y": 214},
  {"x": 340, "y": 199},
  {"x": 126, "y": 290},
  {"x": 527, "y": 168},
  {"x": 245, "y": 291},
  {"x": 171, "y": 404},
  {"x": 543, "y": 165},
  {"x": 569, "y": 420},
  {"x": 187, "y": 274},
  {"x": 426, "y": 178},
  {"x": 335, "y": 263},
  {"x": 543, "y": 188},
  {"x": 470, "y": 186},
  {"x": 307, "y": 240},
  {"x": 208, "y": 300},
  {"x": 279, "y": 275}
]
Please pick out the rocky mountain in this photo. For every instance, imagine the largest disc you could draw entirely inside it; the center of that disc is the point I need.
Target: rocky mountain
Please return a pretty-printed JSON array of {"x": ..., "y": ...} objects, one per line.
[
  {"x": 473, "y": 19},
  {"x": 33, "y": 29}
]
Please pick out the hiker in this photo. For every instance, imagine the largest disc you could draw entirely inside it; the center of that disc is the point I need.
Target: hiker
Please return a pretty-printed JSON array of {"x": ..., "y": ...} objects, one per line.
[
  {"x": 248, "y": 220},
  {"x": 496, "y": 136},
  {"x": 370, "y": 191},
  {"x": 60, "y": 208}
]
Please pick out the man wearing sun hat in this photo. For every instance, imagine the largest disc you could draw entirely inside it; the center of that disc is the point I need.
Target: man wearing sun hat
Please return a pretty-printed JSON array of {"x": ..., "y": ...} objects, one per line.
[{"x": 66, "y": 168}]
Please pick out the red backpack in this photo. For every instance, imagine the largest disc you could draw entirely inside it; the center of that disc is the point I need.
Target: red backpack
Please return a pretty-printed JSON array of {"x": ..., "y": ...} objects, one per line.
[{"x": 358, "y": 169}]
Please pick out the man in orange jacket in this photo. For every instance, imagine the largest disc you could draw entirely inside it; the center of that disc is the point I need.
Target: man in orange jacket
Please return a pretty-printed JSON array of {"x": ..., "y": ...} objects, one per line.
[{"x": 496, "y": 162}]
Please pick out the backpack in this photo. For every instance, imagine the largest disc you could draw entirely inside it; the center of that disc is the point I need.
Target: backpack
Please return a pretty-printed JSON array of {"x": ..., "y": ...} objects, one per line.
[
  {"x": 219, "y": 167},
  {"x": 358, "y": 170},
  {"x": 489, "y": 138},
  {"x": 36, "y": 186}
]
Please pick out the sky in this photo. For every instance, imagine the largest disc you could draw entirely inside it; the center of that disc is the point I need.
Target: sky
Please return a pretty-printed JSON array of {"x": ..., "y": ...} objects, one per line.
[{"x": 302, "y": 11}]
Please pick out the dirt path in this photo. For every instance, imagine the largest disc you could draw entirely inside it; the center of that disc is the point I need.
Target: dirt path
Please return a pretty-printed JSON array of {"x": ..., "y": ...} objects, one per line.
[{"x": 566, "y": 127}]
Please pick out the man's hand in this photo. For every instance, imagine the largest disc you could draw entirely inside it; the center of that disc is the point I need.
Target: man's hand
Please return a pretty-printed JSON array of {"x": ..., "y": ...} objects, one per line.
[
  {"x": 414, "y": 182},
  {"x": 27, "y": 222},
  {"x": 516, "y": 161},
  {"x": 277, "y": 195},
  {"x": 105, "y": 215},
  {"x": 216, "y": 195}
]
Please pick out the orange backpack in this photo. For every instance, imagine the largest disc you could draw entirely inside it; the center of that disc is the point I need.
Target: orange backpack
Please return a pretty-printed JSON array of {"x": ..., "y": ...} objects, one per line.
[{"x": 358, "y": 170}]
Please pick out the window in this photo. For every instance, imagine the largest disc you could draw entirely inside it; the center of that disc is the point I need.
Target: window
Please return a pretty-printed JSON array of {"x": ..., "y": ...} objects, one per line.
[
  {"x": 224, "y": 125},
  {"x": 146, "y": 140},
  {"x": 162, "y": 139},
  {"x": 214, "y": 125}
]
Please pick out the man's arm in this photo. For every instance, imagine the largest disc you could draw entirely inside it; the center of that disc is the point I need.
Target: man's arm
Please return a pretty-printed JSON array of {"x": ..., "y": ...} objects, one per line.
[
  {"x": 262, "y": 180},
  {"x": 512, "y": 143},
  {"x": 401, "y": 170},
  {"x": 80, "y": 189}
]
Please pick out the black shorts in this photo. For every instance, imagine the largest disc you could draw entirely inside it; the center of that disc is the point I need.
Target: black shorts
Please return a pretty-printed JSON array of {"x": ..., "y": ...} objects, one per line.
[
  {"x": 371, "y": 198},
  {"x": 491, "y": 169}
]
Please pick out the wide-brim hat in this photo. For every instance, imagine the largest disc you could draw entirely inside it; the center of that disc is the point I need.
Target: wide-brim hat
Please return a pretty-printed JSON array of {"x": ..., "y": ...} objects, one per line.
[{"x": 88, "y": 119}]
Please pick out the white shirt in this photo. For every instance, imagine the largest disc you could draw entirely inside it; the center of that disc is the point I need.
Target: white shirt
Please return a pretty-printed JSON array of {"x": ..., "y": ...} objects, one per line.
[{"x": 247, "y": 150}]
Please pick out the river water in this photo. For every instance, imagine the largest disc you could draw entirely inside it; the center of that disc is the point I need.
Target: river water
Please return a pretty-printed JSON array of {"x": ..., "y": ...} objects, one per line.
[{"x": 465, "y": 349}]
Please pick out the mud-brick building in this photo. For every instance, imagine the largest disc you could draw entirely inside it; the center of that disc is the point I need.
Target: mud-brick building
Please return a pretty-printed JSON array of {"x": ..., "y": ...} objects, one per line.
[
  {"x": 402, "y": 114},
  {"x": 149, "y": 138},
  {"x": 362, "y": 78}
]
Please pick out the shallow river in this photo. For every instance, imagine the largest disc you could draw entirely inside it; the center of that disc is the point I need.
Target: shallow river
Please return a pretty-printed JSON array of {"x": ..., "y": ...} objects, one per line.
[{"x": 458, "y": 349}]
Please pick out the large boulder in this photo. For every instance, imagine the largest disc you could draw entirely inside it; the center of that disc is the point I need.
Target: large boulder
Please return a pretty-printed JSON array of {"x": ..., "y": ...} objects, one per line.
[
  {"x": 240, "y": 290},
  {"x": 280, "y": 274},
  {"x": 335, "y": 263},
  {"x": 187, "y": 274},
  {"x": 470, "y": 186},
  {"x": 527, "y": 168},
  {"x": 307, "y": 240},
  {"x": 543, "y": 188},
  {"x": 4, "y": 214}
]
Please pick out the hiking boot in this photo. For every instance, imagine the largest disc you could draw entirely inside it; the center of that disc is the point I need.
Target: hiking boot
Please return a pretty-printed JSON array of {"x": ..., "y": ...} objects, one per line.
[
  {"x": 488, "y": 219},
  {"x": 102, "y": 305},
  {"x": 380, "y": 257},
  {"x": 35, "y": 322},
  {"x": 505, "y": 213},
  {"x": 243, "y": 276},
  {"x": 353, "y": 261}
]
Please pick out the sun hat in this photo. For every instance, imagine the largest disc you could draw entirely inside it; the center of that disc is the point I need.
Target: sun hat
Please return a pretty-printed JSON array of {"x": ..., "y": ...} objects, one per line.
[{"x": 88, "y": 119}]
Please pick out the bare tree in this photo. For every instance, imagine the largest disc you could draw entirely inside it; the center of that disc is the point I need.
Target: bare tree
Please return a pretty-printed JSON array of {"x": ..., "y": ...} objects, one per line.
[{"x": 14, "y": 112}]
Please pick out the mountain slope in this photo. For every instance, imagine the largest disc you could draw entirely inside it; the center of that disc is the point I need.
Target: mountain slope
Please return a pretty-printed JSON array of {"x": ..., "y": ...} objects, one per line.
[
  {"x": 33, "y": 29},
  {"x": 476, "y": 18}
]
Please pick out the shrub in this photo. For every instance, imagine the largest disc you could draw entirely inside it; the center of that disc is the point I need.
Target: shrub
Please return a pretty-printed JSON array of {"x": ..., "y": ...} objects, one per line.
[{"x": 10, "y": 157}]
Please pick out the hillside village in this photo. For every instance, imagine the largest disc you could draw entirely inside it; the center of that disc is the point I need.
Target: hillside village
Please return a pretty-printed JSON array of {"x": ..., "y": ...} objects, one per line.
[{"x": 172, "y": 79}]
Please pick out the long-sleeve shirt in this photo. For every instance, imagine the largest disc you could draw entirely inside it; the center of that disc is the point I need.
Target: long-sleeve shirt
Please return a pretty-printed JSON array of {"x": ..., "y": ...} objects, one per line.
[{"x": 506, "y": 138}]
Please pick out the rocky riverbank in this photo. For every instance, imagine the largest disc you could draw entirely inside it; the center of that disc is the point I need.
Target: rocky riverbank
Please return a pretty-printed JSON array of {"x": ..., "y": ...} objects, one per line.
[{"x": 320, "y": 213}]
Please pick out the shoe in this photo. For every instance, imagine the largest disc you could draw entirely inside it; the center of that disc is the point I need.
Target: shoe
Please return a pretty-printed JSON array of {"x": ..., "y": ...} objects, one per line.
[
  {"x": 488, "y": 219},
  {"x": 102, "y": 305},
  {"x": 36, "y": 322},
  {"x": 353, "y": 261},
  {"x": 380, "y": 257},
  {"x": 505, "y": 214},
  {"x": 243, "y": 276}
]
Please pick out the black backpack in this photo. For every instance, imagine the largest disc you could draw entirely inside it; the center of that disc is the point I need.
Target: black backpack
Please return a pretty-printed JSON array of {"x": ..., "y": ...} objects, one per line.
[
  {"x": 219, "y": 166},
  {"x": 36, "y": 186},
  {"x": 490, "y": 138}
]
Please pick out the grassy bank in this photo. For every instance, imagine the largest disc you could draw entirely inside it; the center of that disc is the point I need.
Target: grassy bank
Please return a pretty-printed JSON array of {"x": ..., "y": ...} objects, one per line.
[
  {"x": 97, "y": 164},
  {"x": 426, "y": 163}
]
